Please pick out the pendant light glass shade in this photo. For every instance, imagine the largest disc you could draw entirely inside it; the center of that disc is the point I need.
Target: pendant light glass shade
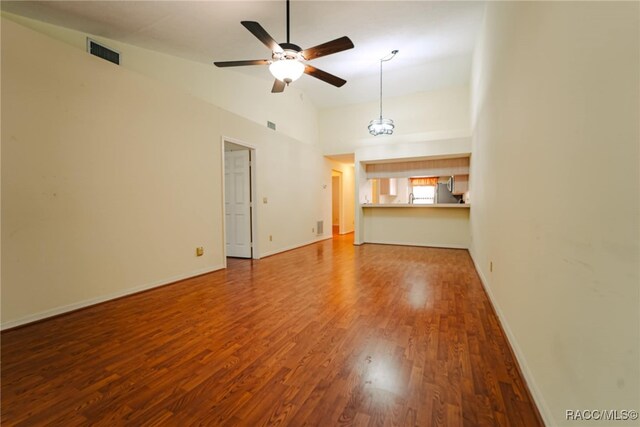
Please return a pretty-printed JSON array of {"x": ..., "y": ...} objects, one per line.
[
  {"x": 381, "y": 127},
  {"x": 287, "y": 70}
]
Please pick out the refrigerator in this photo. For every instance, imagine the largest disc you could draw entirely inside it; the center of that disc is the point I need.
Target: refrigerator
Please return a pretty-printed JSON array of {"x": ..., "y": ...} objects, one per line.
[{"x": 443, "y": 194}]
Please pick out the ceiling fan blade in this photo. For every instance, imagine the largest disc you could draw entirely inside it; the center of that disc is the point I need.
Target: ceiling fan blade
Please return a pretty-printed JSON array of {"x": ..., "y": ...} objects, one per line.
[
  {"x": 278, "y": 86},
  {"x": 262, "y": 35},
  {"x": 241, "y": 63},
  {"x": 328, "y": 48},
  {"x": 324, "y": 76}
]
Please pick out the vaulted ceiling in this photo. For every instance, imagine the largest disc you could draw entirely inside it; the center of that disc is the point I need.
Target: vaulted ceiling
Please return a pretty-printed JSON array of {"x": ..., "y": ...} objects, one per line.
[{"x": 435, "y": 39}]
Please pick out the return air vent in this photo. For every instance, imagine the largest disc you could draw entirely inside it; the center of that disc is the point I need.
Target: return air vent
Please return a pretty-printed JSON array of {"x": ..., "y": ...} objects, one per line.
[
  {"x": 103, "y": 52},
  {"x": 320, "y": 228}
]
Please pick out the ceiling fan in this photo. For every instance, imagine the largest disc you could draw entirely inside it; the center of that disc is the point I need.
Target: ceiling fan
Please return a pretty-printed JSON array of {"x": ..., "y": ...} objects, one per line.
[{"x": 287, "y": 64}]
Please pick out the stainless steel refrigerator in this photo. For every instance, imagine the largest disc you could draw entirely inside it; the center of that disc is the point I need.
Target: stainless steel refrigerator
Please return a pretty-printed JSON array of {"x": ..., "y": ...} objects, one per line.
[{"x": 443, "y": 194}]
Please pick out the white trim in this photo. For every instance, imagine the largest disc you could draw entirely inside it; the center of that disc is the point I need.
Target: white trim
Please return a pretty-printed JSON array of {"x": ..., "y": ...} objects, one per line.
[
  {"x": 224, "y": 219},
  {"x": 92, "y": 301},
  {"x": 536, "y": 394},
  {"x": 239, "y": 142},
  {"x": 254, "y": 202},
  {"x": 254, "y": 197},
  {"x": 298, "y": 245},
  {"x": 341, "y": 220},
  {"x": 425, "y": 245}
]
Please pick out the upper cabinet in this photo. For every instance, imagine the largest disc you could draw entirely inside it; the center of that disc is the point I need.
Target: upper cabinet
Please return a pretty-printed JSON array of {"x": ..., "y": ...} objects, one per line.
[
  {"x": 429, "y": 167},
  {"x": 460, "y": 184},
  {"x": 388, "y": 187}
]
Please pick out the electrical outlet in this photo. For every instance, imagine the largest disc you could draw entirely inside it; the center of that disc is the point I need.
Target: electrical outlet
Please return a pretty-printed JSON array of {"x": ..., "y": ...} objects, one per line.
[
  {"x": 270, "y": 238},
  {"x": 264, "y": 200},
  {"x": 491, "y": 266},
  {"x": 199, "y": 251}
]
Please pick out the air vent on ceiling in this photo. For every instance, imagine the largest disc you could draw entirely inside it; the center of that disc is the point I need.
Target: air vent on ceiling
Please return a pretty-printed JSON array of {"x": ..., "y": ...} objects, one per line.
[
  {"x": 271, "y": 125},
  {"x": 103, "y": 52}
]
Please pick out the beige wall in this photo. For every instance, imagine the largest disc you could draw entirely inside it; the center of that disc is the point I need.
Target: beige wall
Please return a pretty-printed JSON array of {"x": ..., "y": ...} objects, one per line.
[
  {"x": 110, "y": 180},
  {"x": 295, "y": 180},
  {"x": 427, "y": 116},
  {"x": 556, "y": 196},
  {"x": 437, "y": 227},
  {"x": 246, "y": 96}
]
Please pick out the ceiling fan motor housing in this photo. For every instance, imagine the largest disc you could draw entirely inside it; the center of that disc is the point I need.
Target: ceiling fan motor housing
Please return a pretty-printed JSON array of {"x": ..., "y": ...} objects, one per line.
[
  {"x": 290, "y": 46},
  {"x": 289, "y": 51}
]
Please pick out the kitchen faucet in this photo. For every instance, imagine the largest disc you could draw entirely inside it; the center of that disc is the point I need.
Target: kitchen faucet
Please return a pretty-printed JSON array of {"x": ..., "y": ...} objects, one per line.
[{"x": 411, "y": 198}]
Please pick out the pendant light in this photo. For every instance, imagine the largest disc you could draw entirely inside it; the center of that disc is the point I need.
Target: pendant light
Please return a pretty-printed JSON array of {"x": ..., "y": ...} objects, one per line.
[{"x": 381, "y": 126}]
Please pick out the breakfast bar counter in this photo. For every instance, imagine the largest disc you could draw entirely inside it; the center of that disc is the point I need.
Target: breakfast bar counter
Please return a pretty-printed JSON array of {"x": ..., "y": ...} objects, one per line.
[
  {"x": 444, "y": 225},
  {"x": 413, "y": 205}
]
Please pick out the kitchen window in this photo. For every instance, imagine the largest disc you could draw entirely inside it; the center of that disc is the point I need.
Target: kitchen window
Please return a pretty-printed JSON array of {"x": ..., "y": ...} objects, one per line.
[
  {"x": 423, "y": 190},
  {"x": 424, "y": 195}
]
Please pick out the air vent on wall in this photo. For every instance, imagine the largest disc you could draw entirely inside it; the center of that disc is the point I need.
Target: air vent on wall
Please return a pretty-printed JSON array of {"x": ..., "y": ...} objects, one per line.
[
  {"x": 103, "y": 52},
  {"x": 320, "y": 228}
]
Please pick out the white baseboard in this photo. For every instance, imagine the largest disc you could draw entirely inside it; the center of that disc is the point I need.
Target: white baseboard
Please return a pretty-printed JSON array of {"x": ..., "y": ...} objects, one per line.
[
  {"x": 297, "y": 245},
  {"x": 425, "y": 245},
  {"x": 92, "y": 301},
  {"x": 545, "y": 413}
]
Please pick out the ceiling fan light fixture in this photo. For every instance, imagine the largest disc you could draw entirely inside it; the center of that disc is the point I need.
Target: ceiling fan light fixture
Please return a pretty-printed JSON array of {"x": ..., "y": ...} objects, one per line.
[
  {"x": 287, "y": 70},
  {"x": 287, "y": 58},
  {"x": 381, "y": 126}
]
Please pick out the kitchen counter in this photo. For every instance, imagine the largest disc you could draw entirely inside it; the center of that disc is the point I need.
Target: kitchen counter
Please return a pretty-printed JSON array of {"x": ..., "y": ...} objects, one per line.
[
  {"x": 444, "y": 225},
  {"x": 407, "y": 205}
]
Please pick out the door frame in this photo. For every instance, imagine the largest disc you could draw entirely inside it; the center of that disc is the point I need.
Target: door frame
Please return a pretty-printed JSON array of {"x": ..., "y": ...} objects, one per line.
[
  {"x": 253, "y": 150},
  {"x": 340, "y": 201}
]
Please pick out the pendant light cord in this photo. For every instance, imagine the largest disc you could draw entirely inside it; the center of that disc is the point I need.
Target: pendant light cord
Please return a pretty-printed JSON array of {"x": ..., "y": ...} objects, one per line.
[
  {"x": 381, "y": 89},
  {"x": 384, "y": 59},
  {"x": 288, "y": 21}
]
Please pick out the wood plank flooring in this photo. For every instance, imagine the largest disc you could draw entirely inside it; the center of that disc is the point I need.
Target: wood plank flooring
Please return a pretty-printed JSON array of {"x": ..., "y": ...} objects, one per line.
[{"x": 330, "y": 334}]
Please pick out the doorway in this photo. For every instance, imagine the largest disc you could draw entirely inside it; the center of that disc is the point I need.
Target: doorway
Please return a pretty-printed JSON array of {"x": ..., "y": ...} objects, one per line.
[
  {"x": 336, "y": 202},
  {"x": 239, "y": 195}
]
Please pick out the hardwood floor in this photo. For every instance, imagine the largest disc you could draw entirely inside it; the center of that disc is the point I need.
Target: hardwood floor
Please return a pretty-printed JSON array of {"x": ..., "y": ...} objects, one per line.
[{"x": 329, "y": 334}]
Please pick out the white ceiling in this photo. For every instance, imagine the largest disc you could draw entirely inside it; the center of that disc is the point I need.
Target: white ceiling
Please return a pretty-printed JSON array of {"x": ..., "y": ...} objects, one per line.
[{"x": 435, "y": 39}]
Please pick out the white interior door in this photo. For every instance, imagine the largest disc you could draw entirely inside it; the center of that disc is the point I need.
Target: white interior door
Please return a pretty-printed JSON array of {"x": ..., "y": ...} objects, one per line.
[{"x": 237, "y": 202}]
